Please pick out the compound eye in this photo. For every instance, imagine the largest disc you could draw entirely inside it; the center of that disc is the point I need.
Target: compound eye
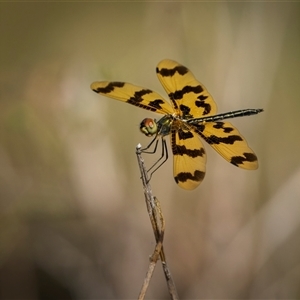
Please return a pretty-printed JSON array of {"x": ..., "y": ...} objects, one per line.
[{"x": 148, "y": 127}]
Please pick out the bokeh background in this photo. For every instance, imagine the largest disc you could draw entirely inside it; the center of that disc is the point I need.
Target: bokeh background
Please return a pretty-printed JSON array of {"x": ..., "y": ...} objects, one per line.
[{"x": 73, "y": 221}]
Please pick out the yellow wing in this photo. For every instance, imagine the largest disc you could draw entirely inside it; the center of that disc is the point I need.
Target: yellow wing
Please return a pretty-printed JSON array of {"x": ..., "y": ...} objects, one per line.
[
  {"x": 189, "y": 155},
  {"x": 229, "y": 143},
  {"x": 188, "y": 96},
  {"x": 134, "y": 95}
]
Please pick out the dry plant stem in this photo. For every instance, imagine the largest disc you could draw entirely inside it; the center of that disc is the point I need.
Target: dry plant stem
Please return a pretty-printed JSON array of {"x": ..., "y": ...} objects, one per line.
[{"x": 158, "y": 226}]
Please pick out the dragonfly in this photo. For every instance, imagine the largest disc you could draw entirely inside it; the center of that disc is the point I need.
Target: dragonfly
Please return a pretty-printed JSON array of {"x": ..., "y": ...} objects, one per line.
[{"x": 189, "y": 116}]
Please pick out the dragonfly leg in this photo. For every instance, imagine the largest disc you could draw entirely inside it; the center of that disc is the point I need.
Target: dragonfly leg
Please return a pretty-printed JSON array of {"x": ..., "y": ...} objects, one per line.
[
  {"x": 164, "y": 156},
  {"x": 155, "y": 147}
]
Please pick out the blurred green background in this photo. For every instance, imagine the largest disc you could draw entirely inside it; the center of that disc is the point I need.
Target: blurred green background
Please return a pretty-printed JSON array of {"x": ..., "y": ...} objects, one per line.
[{"x": 73, "y": 222}]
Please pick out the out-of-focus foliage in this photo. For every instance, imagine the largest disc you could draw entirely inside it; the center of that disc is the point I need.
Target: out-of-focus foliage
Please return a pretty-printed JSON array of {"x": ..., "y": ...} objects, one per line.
[{"x": 73, "y": 223}]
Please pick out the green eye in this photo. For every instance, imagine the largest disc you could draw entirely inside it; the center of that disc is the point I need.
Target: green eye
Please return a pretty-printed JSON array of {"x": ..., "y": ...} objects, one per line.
[{"x": 148, "y": 127}]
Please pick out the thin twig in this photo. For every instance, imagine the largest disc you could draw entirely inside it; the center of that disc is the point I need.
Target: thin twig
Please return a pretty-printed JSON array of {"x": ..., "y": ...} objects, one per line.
[{"x": 158, "y": 226}]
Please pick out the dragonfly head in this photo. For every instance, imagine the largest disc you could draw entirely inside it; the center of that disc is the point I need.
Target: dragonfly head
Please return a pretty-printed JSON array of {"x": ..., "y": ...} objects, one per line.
[{"x": 148, "y": 127}]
